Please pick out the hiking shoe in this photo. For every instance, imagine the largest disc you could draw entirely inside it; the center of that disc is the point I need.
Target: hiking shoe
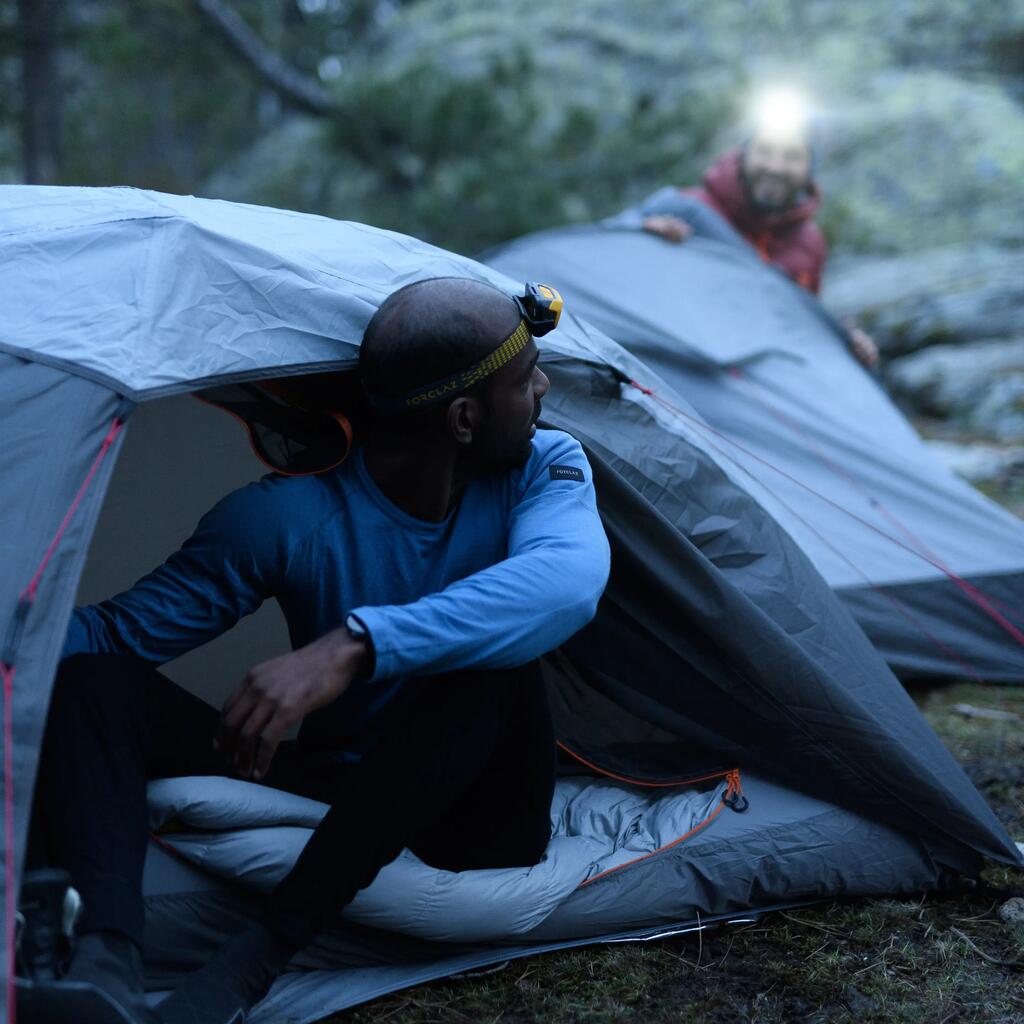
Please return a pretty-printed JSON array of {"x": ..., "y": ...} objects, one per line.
[{"x": 47, "y": 911}]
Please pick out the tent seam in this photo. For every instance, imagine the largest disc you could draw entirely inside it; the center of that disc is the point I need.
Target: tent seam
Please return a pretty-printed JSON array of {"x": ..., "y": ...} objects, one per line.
[{"x": 56, "y": 228}]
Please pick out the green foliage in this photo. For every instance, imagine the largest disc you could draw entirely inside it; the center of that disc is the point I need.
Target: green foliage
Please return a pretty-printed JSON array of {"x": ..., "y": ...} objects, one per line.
[
  {"x": 468, "y": 159},
  {"x": 151, "y": 99},
  {"x": 467, "y": 123}
]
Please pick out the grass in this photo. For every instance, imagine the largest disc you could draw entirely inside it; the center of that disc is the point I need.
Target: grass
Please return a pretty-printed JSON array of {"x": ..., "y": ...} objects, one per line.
[
  {"x": 921, "y": 960},
  {"x": 1008, "y": 492}
]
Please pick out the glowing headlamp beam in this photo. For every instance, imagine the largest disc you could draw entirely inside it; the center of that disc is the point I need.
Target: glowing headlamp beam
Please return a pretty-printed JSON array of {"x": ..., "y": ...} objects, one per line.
[{"x": 780, "y": 113}]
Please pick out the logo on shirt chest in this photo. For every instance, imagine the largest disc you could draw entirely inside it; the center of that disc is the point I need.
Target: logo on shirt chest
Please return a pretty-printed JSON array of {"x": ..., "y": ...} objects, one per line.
[{"x": 566, "y": 473}]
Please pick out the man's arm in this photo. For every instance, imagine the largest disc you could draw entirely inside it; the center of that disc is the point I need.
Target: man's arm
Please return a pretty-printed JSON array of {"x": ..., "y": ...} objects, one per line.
[
  {"x": 503, "y": 616},
  {"x": 671, "y": 204},
  {"x": 218, "y": 576},
  {"x": 541, "y": 594},
  {"x": 667, "y": 226},
  {"x": 277, "y": 693}
]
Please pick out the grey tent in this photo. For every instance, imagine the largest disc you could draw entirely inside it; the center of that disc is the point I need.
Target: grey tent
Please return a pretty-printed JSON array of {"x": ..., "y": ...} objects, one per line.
[
  {"x": 732, "y": 741},
  {"x": 932, "y": 569}
]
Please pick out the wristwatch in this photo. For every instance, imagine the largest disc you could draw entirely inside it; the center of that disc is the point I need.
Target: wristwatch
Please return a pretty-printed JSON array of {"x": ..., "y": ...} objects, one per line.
[
  {"x": 355, "y": 626},
  {"x": 357, "y": 629}
]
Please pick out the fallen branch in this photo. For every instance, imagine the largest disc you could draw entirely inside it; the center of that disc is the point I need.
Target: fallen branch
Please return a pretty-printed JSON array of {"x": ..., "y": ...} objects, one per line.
[
  {"x": 985, "y": 956},
  {"x": 813, "y": 924},
  {"x": 293, "y": 85}
]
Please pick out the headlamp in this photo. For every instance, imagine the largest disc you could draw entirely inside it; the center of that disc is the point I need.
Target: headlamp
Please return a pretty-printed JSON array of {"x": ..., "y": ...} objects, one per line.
[
  {"x": 539, "y": 308},
  {"x": 781, "y": 114}
]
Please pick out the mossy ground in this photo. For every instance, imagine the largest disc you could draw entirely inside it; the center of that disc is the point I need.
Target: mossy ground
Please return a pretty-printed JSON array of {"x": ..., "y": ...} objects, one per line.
[{"x": 913, "y": 960}]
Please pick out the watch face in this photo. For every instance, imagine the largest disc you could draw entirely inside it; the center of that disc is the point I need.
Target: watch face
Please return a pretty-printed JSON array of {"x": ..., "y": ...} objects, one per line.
[{"x": 354, "y": 626}]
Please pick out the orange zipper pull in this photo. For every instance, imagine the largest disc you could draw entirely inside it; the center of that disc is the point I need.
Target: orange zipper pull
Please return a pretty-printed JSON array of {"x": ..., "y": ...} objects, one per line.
[{"x": 733, "y": 797}]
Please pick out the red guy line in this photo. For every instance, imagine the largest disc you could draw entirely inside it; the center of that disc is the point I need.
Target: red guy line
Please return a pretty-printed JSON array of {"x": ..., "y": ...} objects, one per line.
[
  {"x": 836, "y": 468},
  {"x": 10, "y": 895},
  {"x": 29, "y": 595},
  {"x": 895, "y": 602}
]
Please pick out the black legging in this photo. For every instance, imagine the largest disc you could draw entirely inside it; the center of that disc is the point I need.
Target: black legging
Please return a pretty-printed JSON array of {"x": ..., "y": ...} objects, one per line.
[{"x": 462, "y": 773}]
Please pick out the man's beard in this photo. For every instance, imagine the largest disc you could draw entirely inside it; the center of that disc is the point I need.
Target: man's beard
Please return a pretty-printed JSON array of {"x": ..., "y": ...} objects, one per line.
[
  {"x": 788, "y": 199},
  {"x": 496, "y": 454}
]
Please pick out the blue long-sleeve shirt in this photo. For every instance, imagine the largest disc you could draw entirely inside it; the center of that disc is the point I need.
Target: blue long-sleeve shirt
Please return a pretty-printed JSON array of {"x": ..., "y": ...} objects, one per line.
[{"x": 514, "y": 570}]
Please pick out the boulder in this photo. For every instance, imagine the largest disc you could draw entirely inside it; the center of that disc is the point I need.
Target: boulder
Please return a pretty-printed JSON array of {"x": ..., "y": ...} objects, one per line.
[
  {"x": 952, "y": 293},
  {"x": 980, "y": 385},
  {"x": 1000, "y": 411},
  {"x": 980, "y": 462}
]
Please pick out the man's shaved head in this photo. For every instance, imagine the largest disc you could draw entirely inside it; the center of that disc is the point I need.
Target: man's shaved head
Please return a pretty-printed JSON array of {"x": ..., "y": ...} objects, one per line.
[
  {"x": 432, "y": 329},
  {"x": 427, "y": 334}
]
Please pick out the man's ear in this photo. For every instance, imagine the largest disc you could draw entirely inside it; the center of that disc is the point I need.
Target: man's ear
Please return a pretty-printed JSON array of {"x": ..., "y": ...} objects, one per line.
[{"x": 464, "y": 417}]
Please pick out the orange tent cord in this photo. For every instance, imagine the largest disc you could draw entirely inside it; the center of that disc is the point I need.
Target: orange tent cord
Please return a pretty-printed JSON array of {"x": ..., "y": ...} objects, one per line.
[{"x": 724, "y": 773}]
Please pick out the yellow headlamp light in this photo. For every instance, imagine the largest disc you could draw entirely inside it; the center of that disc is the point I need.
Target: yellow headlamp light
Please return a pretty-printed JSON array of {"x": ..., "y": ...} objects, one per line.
[{"x": 541, "y": 308}]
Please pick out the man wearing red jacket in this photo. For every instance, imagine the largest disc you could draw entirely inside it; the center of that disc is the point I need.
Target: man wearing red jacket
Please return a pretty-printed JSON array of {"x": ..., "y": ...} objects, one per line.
[{"x": 766, "y": 191}]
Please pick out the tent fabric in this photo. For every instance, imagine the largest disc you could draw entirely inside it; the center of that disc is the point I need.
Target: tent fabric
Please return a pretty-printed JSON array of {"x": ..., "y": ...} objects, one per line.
[
  {"x": 56, "y": 431},
  {"x": 185, "y": 925},
  {"x": 658, "y": 690},
  {"x": 688, "y": 546},
  {"x": 43, "y": 469},
  {"x": 178, "y": 292},
  {"x": 786, "y": 411}
]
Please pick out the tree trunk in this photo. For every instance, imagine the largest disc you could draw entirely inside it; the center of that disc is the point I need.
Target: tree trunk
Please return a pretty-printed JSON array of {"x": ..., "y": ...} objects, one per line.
[{"x": 39, "y": 39}]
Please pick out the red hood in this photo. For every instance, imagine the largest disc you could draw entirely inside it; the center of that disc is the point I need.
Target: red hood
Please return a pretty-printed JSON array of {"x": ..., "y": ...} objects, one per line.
[{"x": 724, "y": 183}]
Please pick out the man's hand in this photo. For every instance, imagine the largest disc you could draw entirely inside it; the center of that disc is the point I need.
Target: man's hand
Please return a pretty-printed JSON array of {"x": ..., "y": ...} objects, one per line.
[
  {"x": 278, "y": 693},
  {"x": 672, "y": 229},
  {"x": 863, "y": 347}
]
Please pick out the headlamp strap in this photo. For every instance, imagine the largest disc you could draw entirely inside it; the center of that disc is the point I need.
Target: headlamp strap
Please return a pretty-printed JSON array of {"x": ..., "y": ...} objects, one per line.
[{"x": 448, "y": 387}]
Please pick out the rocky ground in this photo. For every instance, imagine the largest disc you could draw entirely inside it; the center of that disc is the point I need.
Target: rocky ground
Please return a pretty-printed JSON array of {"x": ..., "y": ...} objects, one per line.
[{"x": 950, "y": 324}]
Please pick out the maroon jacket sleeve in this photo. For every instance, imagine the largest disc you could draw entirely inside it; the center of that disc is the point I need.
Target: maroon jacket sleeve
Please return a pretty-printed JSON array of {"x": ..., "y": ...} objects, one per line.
[{"x": 803, "y": 256}]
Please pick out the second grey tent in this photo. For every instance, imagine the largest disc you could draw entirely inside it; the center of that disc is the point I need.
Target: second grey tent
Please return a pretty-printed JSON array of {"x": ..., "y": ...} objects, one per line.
[
  {"x": 932, "y": 569},
  {"x": 731, "y": 741}
]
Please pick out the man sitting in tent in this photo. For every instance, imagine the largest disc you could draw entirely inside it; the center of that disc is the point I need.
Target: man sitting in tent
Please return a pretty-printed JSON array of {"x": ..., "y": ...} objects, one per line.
[
  {"x": 767, "y": 192},
  {"x": 420, "y": 580}
]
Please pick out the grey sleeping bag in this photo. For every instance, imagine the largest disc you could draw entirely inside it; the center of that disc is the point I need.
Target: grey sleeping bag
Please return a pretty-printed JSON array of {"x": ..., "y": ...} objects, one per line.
[{"x": 623, "y": 861}]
